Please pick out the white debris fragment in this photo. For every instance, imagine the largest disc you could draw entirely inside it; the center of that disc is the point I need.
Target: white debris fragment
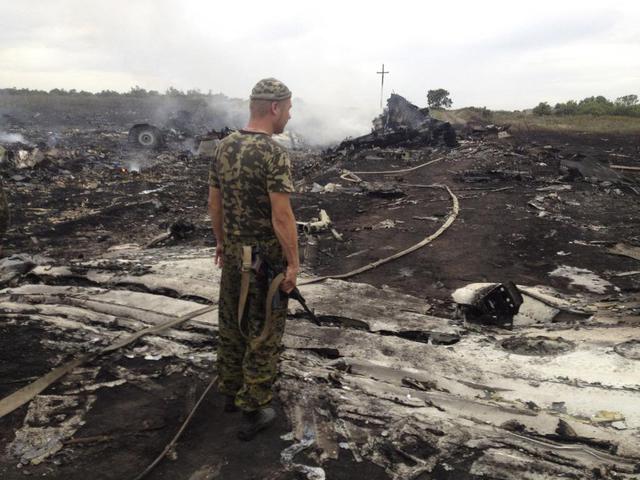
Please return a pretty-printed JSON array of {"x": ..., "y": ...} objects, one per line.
[
  {"x": 620, "y": 425},
  {"x": 554, "y": 188},
  {"x": 153, "y": 190},
  {"x": 581, "y": 277},
  {"x": 50, "y": 420},
  {"x": 26, "y": 159},
  {"x": 386, "y": 224},
  {"x": 287, "y": 455},
  {"x": 531, "y": 311},
  {"x": 328, "y": 188},
  {"x": 312, "y": 473},
  {"x": 95, "y": 386}
]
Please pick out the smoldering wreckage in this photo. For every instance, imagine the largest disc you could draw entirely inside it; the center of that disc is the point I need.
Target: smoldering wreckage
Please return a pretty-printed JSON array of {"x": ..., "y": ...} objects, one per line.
[{"x": 476, "y": 291}]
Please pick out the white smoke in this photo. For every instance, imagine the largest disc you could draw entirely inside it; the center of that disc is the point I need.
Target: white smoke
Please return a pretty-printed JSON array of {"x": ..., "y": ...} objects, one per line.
[
  {"x": 7, "y": 137},
  {"x": 318, "y": 125},
  {"x": 323, "y": 126},
  {"x": 134, "y": 165}
]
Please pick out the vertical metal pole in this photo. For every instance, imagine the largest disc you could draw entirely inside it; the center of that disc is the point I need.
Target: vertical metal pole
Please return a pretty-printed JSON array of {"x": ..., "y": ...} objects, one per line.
[
  {"x": 382, "y": 87},
  {"x": 382, "y": 72}
]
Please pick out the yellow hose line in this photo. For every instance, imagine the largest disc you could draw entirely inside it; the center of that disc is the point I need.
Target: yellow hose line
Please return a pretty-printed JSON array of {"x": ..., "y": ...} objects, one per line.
[
  {"x": 406, "y": 170},
  {"x": 27, "y": 393},
  {"x": 422, "y": 243}
]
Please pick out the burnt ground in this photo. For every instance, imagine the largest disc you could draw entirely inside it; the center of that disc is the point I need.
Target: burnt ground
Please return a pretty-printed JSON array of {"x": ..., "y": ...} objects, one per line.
[
  {"x": 92, "y": 192},
  {"x": 498, "y": 236},
  {"x": 86, "y": 198}
]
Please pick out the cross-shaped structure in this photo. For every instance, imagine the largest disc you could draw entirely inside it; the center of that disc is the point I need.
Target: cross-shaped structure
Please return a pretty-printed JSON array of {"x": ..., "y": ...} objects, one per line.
[{"x": 382, "y": 72}]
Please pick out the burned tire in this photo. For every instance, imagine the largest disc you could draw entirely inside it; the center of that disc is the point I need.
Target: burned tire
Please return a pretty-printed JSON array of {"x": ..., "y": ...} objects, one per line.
[{"x": 146, "y": 136}]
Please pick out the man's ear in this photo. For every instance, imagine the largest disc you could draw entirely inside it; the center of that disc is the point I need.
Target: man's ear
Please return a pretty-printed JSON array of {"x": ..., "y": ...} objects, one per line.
[{"x": 275, "y": 107}]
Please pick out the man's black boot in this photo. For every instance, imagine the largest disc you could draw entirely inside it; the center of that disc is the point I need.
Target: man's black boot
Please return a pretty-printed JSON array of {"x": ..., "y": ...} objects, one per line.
[
  {"x": 255, "y": 422},
  {"x": 230, "y": 404}
]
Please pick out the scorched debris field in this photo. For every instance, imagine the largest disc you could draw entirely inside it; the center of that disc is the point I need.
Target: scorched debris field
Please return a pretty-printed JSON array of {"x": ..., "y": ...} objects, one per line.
[{"x": 399, "y": 381}]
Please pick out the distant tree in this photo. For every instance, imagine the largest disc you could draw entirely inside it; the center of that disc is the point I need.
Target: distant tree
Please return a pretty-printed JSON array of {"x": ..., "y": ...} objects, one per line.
[
  {"x": 543, "y": 108},
  {"x": 595, "y": 106},
  {"x": 568, "y": 108},
  {"x": 627, "y": 100},
  {"x": 137, "y": 92},
  {"x": 439, "y": 98},
  {"x": 174, "y": 92},
  {"x": 21, "y": 91}
]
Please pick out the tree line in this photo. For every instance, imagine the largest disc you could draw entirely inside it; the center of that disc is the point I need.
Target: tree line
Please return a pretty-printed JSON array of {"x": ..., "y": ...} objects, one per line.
[
  {"x": 137, "y": 92},
  {"x": 626, "y": 105}
]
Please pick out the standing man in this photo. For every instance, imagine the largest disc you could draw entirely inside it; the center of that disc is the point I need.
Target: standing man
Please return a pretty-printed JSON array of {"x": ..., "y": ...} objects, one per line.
[{"x": 249, "y": 188}]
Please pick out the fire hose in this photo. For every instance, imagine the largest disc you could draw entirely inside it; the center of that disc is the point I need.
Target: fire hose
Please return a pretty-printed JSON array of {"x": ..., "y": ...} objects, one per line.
[{"x": 452, "y": 216}]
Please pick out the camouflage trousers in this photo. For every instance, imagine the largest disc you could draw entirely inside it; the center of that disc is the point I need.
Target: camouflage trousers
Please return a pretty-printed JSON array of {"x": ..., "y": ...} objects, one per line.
[{"x": 248, "y": 371}]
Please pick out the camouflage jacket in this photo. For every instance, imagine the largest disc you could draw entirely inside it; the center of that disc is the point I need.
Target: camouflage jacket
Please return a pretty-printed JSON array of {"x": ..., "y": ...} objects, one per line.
[{"x": 246, "y": 167}]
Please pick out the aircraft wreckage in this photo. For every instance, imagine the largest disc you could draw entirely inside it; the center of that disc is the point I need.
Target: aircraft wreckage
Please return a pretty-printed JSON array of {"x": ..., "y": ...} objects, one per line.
[
  {"x": 404, "y": 124},
  {"x": 108, "y": 349}
]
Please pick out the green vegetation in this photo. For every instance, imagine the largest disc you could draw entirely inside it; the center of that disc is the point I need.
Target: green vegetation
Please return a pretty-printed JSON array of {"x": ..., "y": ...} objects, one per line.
[
  {"x": 624, "y": 106},
  {"x": 527, "y": 120},
  {"x": 439, "y": 98},
  {"x": 136, "y": 92},
  {"x": 65, "y": 107},
  {"x": 589, "y": 115},
  {"x": 570, "y": 123},
  {"x": 543, "y": 108}
]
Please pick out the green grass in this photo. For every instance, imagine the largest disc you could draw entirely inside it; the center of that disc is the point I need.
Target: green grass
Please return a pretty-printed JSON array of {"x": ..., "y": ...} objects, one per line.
[{"x": 522, "y": 121}]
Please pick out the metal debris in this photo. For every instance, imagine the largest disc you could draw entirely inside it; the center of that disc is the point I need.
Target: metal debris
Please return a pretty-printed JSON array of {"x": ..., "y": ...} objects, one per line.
[{"x": 403, "y": 123}]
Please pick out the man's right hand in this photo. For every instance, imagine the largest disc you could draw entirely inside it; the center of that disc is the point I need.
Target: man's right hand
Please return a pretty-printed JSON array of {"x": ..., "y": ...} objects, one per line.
[{"x": 290, "y": 277}]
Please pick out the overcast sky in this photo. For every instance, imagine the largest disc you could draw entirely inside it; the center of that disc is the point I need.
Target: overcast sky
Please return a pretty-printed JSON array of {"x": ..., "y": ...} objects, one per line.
[{"x": 503, "y": 55}]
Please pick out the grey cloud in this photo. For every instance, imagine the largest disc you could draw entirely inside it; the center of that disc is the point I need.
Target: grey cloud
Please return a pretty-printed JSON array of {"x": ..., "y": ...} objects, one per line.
[
  {"x": 554, "y": 32},
  {"x": 330, "y": 64}
]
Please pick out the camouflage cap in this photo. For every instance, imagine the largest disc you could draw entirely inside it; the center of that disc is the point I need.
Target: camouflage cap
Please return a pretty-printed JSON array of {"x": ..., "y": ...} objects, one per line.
[{"x": 270, "y": 89}]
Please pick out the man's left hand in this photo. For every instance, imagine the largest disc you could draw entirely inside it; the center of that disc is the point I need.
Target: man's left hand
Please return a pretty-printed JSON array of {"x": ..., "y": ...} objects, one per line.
[
  {"x": 218, "y": 256},
  {"x": 289, "y": 282}
]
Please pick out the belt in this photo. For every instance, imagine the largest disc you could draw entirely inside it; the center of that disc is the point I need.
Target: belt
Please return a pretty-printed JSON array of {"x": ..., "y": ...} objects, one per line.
[{"x": 245, "y": 278}]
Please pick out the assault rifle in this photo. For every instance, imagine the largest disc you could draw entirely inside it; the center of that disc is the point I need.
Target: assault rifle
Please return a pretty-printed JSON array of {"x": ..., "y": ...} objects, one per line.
[{"x": 262, "y": 267}]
